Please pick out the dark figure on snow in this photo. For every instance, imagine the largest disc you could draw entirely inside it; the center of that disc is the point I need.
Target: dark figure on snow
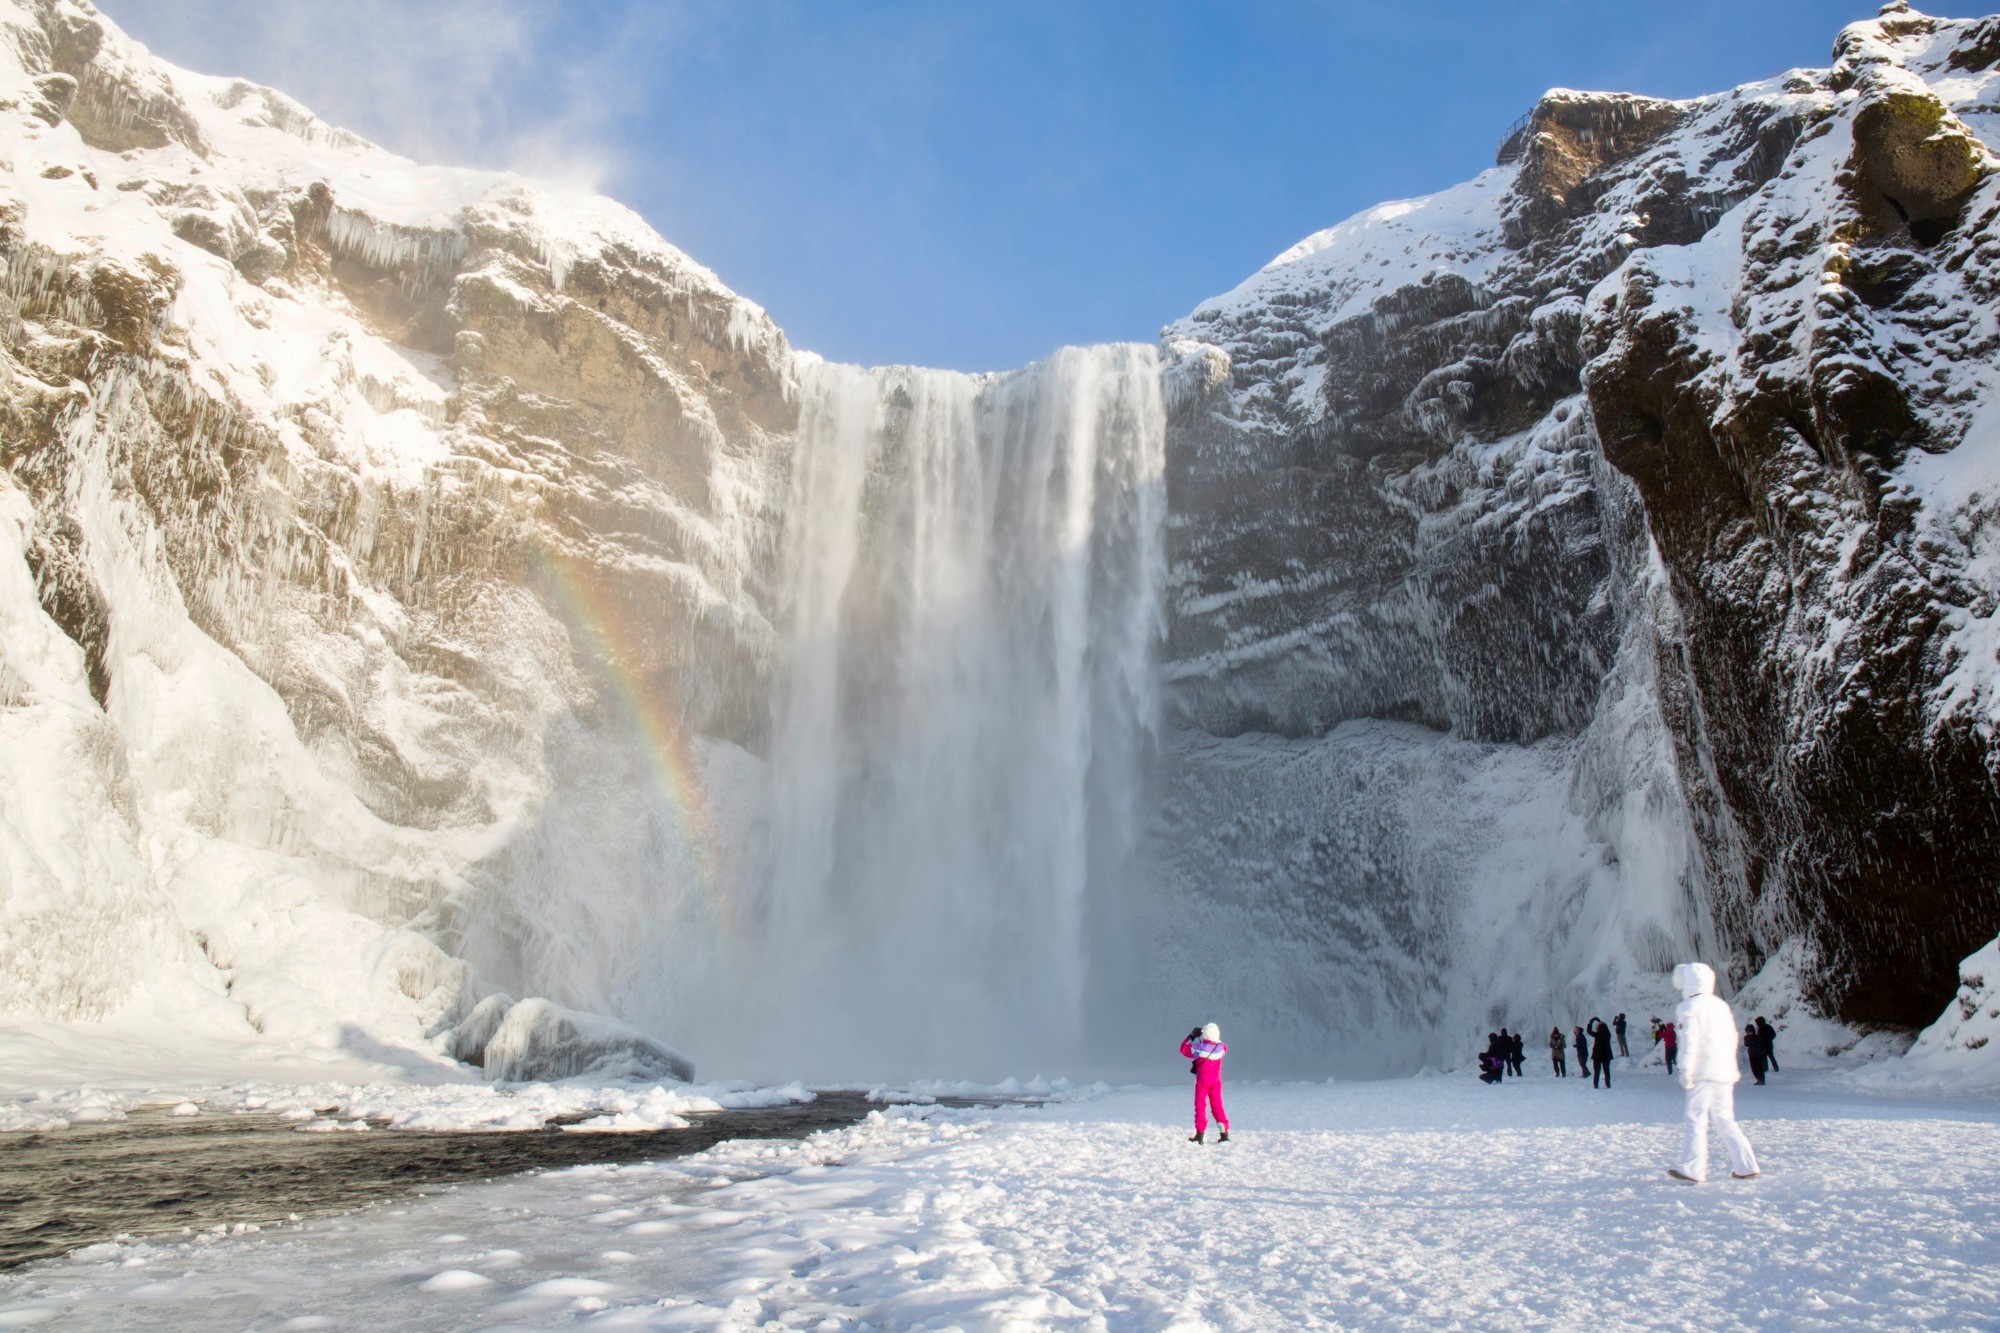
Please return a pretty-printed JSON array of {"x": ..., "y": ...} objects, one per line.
[
  {"x": 1582, "y": 1044},
  {"x": 1753, "y": 1046},
  {"x": 1770, "y": 1036},
  {"x": 1505, "y": 1050},
  {"x": 1669, "y": 1041},
  {"x": 1557, "y": 1049},
  {"x": 1600, "y": 1051},
  {"x": 1618, "y": 1026},
  {"x": 1517, "y": 1053},
  {"x": 1492, "y": 1064}
]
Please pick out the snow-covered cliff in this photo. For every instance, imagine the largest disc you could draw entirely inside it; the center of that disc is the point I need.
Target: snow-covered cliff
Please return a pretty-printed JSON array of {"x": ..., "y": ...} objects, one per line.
[
  {"x": 347, "y": 508},
  {"x": 1641, "y": 490}
]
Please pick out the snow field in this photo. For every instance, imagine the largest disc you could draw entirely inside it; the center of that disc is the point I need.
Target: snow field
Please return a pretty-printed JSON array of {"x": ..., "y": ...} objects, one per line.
[{"x": 1432, "y": 1202}]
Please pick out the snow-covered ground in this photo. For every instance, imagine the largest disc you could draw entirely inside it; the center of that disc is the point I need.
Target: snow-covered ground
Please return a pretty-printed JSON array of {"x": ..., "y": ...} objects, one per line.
[
  {"x": 53, "y": 1075},
  {"x": 1429, "y": 1202}
]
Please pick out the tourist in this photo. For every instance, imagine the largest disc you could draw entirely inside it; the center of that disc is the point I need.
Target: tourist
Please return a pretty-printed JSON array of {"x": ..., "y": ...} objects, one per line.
[
  {"x": 1582, "y": 1051},
  {"x": 1669, "y": 1040},
  {"x": 1600, "y": 1051},
  {"x": 1770, "y": 1036},
  {"x": 1504, "y": 1048},
  {"x": 1517, "y": 1052},
  {"x": 1618, "y": 1026},
  {"x": 1753, "y": 1047},
  {"x": 1709, "y": 1073},
  {"x": 1556, "y": 1051},
  {"x": 1492, "y": 1063},
  {"x": 1204, "y": 1046}
]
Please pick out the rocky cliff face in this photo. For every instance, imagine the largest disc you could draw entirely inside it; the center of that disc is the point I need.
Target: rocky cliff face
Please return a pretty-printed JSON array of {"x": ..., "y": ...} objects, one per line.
[{"x": 1706, "y": 383}]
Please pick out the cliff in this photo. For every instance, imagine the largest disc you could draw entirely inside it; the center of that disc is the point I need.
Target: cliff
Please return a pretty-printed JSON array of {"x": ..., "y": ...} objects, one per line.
[{"x": 1711, "y": 380}]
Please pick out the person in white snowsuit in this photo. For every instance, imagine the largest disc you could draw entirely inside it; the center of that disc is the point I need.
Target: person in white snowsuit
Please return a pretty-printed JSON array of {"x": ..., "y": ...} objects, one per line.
[{"x": 1708, "y": 1042}]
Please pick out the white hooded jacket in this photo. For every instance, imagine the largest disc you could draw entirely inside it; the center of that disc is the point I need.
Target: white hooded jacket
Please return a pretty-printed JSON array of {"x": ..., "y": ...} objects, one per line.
[{"x": 1708, "y": 1034}]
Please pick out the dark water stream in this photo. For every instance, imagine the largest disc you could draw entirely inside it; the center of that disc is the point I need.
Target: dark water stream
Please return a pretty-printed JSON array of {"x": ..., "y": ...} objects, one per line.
[{"x": 156, "y": 1173}]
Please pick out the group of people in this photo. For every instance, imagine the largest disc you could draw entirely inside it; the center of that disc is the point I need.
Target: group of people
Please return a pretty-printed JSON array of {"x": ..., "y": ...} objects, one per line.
[
  {"x": 1703, "y": 1033},
  {"x": 1504, "y": 1055},
  {"x": 1760, "y": 1045},
  {"x": 1506, "y": 1052}
]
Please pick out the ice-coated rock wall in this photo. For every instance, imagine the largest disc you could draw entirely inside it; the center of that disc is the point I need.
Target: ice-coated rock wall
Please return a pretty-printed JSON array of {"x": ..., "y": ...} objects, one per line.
[{"x": 364, "y": 523}]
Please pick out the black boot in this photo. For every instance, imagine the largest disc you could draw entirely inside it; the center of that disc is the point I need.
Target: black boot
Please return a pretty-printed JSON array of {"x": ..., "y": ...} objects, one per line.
[
  {"x": 1224, "y": 1138},
  {"x": 1196, "y": 1137}
]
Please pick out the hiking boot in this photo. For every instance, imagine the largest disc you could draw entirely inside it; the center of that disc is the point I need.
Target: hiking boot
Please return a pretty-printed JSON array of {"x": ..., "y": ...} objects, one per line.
[
  {"x": 1196, "y": 1137},
  {"x": 1733, "y": 1175},
  {"x": 1682, "y": 1176},
  {"x": 1224, "y": 1138}
]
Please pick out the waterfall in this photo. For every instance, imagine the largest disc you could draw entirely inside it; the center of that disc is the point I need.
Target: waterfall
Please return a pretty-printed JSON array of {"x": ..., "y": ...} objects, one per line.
[{"x": 970, "y": 604}]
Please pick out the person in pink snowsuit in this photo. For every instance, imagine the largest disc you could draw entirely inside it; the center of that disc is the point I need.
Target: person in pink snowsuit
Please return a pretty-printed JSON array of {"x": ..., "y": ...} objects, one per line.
[{"x": 1205, "y": 1047}]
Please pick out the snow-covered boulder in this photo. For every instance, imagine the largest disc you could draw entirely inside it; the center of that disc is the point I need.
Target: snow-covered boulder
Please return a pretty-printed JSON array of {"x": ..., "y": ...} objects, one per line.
[{"x": 540, "y": 1040}]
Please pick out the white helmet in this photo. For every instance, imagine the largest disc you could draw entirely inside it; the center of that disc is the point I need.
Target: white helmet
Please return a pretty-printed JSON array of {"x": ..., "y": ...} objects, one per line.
[{"x": 1211, "y": 1033}]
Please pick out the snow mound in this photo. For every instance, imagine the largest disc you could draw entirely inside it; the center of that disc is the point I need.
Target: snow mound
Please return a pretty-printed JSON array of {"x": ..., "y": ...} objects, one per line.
[
  {"x": 539, "y": 1039},
  {"x": 1961, "y": 1045}
]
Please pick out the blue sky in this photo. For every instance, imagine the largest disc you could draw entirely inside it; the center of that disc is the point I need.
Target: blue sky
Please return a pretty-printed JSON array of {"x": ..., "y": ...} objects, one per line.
[{"x": 966, "y": 185}]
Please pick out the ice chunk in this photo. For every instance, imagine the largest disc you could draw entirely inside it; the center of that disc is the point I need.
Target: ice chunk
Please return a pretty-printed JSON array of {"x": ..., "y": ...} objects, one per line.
[
  {"x": 469, "y": 1039},
  {"x": 539, "y": 1039}
]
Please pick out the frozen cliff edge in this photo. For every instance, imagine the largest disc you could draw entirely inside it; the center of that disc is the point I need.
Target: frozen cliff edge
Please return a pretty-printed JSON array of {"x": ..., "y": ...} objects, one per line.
[
  {"x": 1660, "y": 461},
  {"x": 330, "y": 485}
]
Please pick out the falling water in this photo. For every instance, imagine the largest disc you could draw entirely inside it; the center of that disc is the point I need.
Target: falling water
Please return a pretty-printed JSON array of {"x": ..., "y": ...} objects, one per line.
[{"x": 971, "y": 603}]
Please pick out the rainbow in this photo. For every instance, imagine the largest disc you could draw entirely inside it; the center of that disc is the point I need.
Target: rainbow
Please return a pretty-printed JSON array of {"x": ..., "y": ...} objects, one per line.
[{"x": 603, "y": 630}]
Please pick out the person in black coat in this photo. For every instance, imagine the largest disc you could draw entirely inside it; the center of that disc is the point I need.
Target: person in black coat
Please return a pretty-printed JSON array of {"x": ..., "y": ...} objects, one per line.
[
  {"x": 1600, "y": 1051},
  {"x": 1770, "y": 1036},
  {"x": 1492, "y": 1064},
  {"x": 1505, "y": 1050},
  {"x": 1558, "y": 1048},
  {"x": 1582, "y": 1050},
  {"x": 1618, "y": 1026},
  {"x": 1517, "y": 1051},
  {"x": 1753, "y": 1046}
]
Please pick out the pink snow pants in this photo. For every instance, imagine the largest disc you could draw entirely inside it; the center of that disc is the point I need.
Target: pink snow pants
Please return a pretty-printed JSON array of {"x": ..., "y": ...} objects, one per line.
[{"x": 1208, "y": 1096}]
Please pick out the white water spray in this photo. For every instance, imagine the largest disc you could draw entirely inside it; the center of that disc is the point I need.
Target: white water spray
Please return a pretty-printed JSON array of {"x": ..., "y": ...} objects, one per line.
[{"x": 970, "y": 606}]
